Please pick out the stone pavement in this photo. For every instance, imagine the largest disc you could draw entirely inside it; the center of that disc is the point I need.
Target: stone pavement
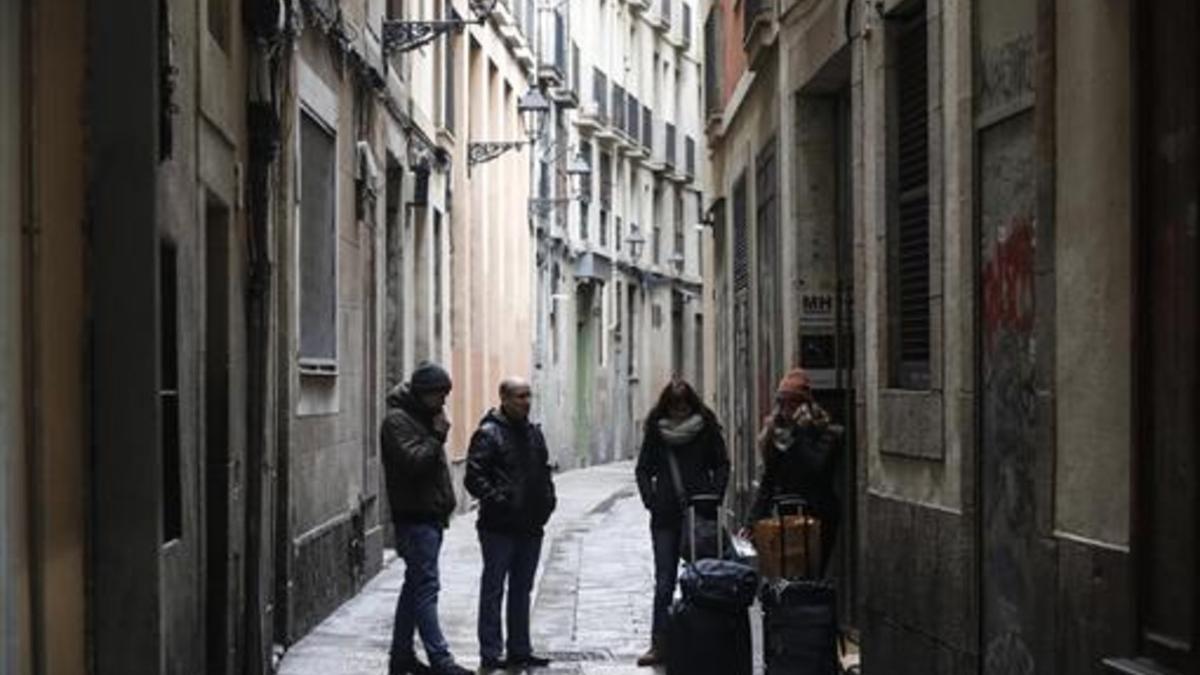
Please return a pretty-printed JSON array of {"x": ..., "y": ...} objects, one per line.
[{"x": 592, "y": 595}]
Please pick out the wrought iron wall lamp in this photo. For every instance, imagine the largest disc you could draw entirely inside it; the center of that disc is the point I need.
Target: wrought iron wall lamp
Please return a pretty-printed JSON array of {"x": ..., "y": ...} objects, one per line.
[{"x": 402, "y": 36}]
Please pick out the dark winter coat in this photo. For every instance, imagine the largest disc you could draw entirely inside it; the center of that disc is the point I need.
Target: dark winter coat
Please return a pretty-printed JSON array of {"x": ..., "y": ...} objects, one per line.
[
  {"x": 703, "y": 468},
  {"x": 419, "y": 487},
  {"x": 805, "y": 469},
  {"x": 508, "y": 471}
]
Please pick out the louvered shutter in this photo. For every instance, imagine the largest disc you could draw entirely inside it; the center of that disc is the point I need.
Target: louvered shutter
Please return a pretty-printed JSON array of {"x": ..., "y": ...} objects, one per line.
[{"x": 911, "y": 238}]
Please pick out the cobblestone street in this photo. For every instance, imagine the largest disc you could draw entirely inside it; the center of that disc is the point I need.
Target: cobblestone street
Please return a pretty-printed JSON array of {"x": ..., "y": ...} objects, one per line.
[{"x": 592, "y": 595}]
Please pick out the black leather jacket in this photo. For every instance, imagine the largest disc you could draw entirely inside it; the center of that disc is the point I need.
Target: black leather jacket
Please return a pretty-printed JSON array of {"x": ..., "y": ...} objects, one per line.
[
  {"x": 508, "y": 471},
  {"x": 414, "y": 462}
]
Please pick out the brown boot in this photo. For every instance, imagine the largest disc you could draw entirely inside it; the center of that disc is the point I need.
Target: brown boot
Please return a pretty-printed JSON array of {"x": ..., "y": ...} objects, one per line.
[{"x": 653, "y": 656}]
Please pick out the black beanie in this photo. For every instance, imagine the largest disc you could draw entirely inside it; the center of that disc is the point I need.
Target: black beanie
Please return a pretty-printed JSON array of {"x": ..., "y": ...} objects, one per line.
[{"x": 429, "y": 376}]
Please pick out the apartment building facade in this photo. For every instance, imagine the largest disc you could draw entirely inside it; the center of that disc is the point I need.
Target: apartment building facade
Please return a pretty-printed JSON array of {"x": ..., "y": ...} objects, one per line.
[{"x": 619, "y": 262}]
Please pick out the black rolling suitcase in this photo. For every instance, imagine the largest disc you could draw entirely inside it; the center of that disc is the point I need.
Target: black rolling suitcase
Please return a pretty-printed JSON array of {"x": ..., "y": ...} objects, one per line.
[
  {"x": 708, "y": 632},
  {"x": 800, "y": 625}
]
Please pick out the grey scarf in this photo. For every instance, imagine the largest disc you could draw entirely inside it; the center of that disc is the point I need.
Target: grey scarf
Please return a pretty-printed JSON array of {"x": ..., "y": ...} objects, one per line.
[{"x": 679, "y": 433}]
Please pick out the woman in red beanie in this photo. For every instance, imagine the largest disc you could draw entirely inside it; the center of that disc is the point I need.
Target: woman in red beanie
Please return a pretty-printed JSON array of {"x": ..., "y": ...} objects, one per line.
[{"x": 798, "y": 445}]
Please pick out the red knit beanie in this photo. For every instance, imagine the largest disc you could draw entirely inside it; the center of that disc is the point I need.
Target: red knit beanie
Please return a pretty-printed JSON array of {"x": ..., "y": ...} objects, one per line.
[{"x": 795, "y": 384}]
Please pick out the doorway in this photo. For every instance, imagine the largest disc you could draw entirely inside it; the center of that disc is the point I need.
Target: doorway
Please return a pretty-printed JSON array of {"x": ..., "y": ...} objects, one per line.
[
  {"x": 218, "y": 641},
  {"x": 1167, "y": 447},
  {"x": 585, "y": 370}
]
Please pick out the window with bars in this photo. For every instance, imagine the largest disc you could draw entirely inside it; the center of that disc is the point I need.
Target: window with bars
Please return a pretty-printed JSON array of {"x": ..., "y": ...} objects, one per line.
[
  {"x": 669, "y": 142},
  {"x": 606, "y": 181},
  {"x": 634, "y": 118},
  {"x": 908, "y": 221},
  {"x": 585, "y": 150},
  {"x": 318, "y": 243},
  {"x": 618, "y": 106},
  {"x": 679, "y": 231}
]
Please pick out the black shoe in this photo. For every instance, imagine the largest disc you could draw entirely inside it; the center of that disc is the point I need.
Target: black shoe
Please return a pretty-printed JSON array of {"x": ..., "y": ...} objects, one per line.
[
  {"x": 529, "y": 661},
  {"x": 450, "y": 669},
  {"x": 408, "y": 666},
  {"x": 493, "y": 664}
]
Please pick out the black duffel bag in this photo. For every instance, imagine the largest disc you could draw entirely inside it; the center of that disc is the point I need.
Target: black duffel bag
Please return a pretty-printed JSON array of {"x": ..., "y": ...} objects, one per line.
[{"x": 719, "y": 584}]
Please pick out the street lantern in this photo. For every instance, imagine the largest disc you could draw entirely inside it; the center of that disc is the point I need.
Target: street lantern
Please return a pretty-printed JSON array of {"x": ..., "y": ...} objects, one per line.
[
  {"x": 578, "y": 170},
  {"x": 533, "y": 107},
  {"x": 636, "y": 241}
]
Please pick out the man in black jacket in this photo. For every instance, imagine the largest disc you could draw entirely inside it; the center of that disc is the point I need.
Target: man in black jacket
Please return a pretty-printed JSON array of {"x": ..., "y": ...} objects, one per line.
[
  {"x": 508, "y": 470},
  {"x": 422, "y": 498}
]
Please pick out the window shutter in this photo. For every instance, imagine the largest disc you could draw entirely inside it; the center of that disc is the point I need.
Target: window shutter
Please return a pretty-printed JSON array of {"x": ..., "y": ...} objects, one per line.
[
  {"x": 911, "y": 239},
  {"x": 741, "y": 240}
]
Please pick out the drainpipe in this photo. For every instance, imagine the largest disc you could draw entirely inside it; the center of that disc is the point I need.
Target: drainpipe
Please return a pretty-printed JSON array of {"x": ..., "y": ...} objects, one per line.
[{"x": 264, "y": 24}]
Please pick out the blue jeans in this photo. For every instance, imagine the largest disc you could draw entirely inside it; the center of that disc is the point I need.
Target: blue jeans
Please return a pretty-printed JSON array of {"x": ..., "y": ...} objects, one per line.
[
  {"x": 666, "y": 574},
  {"x": 416, "y": 610},
  {"x": 513, "y": 558}
]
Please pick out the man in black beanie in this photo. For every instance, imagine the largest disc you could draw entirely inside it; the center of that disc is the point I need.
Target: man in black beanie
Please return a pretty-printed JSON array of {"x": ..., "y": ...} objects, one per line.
[{"x": 422, "y": 498}]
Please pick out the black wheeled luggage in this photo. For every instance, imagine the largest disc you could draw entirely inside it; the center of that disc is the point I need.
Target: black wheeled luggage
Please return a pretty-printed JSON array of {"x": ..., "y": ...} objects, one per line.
[
  {"x": 800, "y": 625},
  {"x": 708, "y": 631},
  {"x": 800, "y": 628}
]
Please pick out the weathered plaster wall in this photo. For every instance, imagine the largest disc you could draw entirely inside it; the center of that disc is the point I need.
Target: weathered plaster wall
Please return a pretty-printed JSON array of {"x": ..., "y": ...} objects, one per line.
[
  {"x": 489, "y": 271},
  {"x": 1094, "y": 224}
]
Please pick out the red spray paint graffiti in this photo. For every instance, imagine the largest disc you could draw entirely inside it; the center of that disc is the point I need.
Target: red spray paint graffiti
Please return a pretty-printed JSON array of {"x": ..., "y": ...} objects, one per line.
[{"x": 1008, "y": 284}]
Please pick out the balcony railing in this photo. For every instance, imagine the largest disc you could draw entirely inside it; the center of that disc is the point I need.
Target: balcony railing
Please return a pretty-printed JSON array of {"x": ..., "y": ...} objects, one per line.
[{"x": 600, "y": 94}]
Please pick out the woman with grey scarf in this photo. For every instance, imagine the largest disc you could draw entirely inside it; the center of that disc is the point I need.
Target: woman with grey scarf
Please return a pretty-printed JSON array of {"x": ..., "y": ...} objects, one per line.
[{"x": 682, "y": 427}]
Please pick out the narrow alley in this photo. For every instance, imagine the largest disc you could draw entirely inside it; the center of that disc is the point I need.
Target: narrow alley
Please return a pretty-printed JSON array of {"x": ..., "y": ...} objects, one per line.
[{"x": 592, "y": 594}]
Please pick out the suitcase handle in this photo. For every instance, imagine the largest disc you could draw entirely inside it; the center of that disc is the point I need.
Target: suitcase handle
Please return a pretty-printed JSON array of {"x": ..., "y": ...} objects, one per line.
[{"x": 702, "y": 500}]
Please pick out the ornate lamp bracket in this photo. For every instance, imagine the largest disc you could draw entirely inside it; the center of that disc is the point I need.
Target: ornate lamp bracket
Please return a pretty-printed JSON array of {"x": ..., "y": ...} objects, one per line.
[
  {"x": 403, "y": 36},
  {"x": 478, "y": 153}
]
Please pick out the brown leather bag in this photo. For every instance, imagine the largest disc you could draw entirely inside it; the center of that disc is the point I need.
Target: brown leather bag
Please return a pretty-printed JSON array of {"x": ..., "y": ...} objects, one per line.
[{"x": 789, "y": 546}]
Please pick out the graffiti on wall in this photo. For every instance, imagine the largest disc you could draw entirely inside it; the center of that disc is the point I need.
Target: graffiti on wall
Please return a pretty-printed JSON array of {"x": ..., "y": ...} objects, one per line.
[{"x": 1008, "y": 283}]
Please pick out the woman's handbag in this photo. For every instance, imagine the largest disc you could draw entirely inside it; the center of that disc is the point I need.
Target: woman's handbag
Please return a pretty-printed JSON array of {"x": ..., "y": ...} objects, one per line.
[{"x": 705, "y": 538}]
